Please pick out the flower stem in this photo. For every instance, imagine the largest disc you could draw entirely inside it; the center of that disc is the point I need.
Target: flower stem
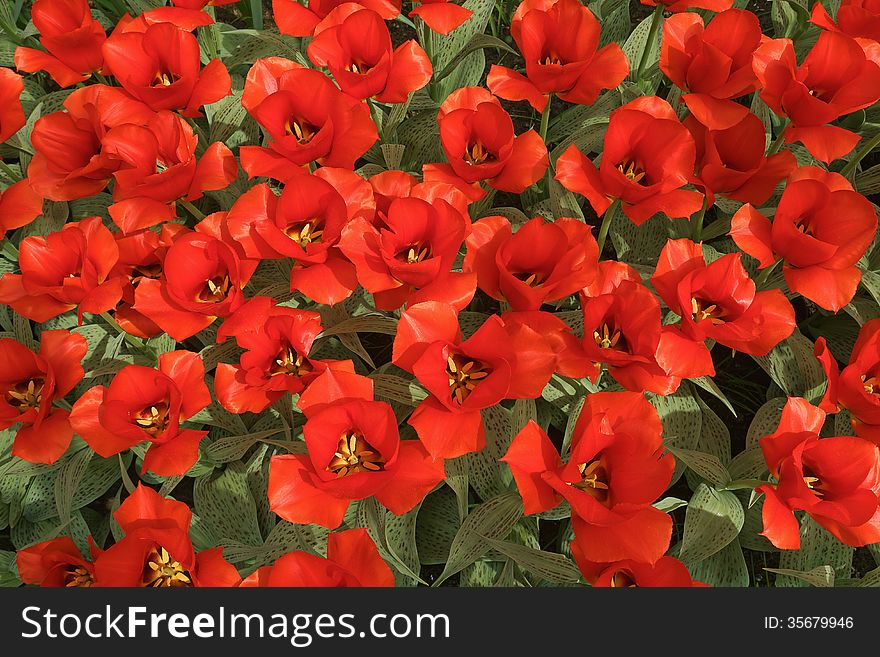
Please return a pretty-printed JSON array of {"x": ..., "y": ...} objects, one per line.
[
  {"x": 9, "y": 172},
  {"x": 545, "y": 119},
  {"x": 698, "y": 222},
  {"x": 656, "y": 21},
  {"x": 130, "y": 339},
  {"x": 194, "y": 211},
  {"x": 862, "y": 154},
  {"x": 780, "y": 139},
  {"x": 606, "y": 224}
]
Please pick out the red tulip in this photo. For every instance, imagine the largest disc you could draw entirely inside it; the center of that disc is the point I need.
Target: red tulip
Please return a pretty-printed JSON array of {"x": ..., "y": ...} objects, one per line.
[
  {"x": 731, "y": 161},
  {"x": 30, "y": 384},
  {"x": 307, "y": 117},
  {"x": 838, "y": 76},
  {"x": 64, "y": 270},
  {"x": 394, "y": 184},
  {"x": 712, "y": 63},
  {"x": 277, "y": 341},
  {"x": 56, "y": 562},
  {"x": 499, "y": 361},
  {"x": 69, "y": 162},
  {"x": 305, "y": 224},
  {"x": 540, "y": 263},
  {"x": 202, "y": 279},
  {"x": 409, "y": 256},
  {"x": 559, "y": 39},
  {"x": 648, "y": 157},
  {"x": 355, "y": 45},
  {"x": 157, "y": 550},
  {"x": 622, "y": 330},
  {"x": 856, "y": 18},
  {"x": 615, "y": 472},
  {"x": 819, "y": 251},
  {"x": 856, "y": 388},
  {"x": 201, "y": 4},
  {"x": 160, "y": 67},
  {"x": 11, "y": 112},
  {"x": 665, "y": 572},
  {"x": 718, "y": 301},
  {"x": 72, "y": 38},
  {"x": 354, "y": 452},
  {"x": 835, "y": 480},
  {"x": 441, "y": 16},
  {"x": 676, "y": 6},
  {"x": 295, "y": 19},
  {"x": 159, "y": 167},
  {"x": 479, "y": 142},
  {"x": 352, "y": 560},
  {"x": 19, "y": 206},
  {"x": 145, "y": 404}
]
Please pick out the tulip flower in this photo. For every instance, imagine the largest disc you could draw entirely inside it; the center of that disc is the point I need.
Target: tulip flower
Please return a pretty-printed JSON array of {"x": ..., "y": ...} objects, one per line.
[
  {"x": 352, "y": 560},
  {"x": 277, "y": 341},
  {"x": 11, "y": 112},
  {"x": 712, "y": 62},
  {"x": 354, "y": 452},
  {"x": 835, "y": 480},
  {"x": 718, "y": 301},
  {"x": 355, "y": 45},
  {"x": 307, "y": 117},
  {"x": 65, "y": 270},
  {"x": 478, "y": 139},
  {"x": 648, "y": 157},
  {"x": 72, "y": 39},
  {"x": 665, "y": 572},
  {"x": 441, "y": 16},
  {"x": 559, "y": 39},
  {"x": 31, "y": 383},
  {"x": 499, "y": 361},
  {"x": 818, "y": 250},
  {"x": 855, "y": 18},
  {"x": 856, "y": 387},
  {"x": 539, "y": 263},
  {"x": 837, "y": 77},
  {"x": 19, "y": 206},
  {"x": 56, "y": 562},
  {"x": 157, "y": 551},
  {"x": 296, "y": 19},
  {"x": 614, "y": 474}
]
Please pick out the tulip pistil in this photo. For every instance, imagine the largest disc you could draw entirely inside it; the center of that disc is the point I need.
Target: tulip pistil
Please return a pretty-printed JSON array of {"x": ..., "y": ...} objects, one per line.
[
  {"x": 532, "y": 279},
  {"x": 162, "y": 571},
  {"x": 153, "y": 419},
  {"x": 464, "y": 376},
  {"x": 872, "y": 385},
  {"x": 215, "y": 289},
  {"x": 164, "y": 79},
  {"x": 354, "y": 454},
  {"x": 593, "y": 481},
  {"x": 305, "y": 234},
  {"x": 301, "y": 130},
  {"x": 477, "y": 154},
  {"x": 606, "y": 338},
  {"x": 632, "y": 169},
  {"x": 77, "y": 576},
  {"x": 711, "y": 312},
  {"x": 360, "y": 69},
  {"x": 289, "y": 361},
  {"x": 26, "y": 395},
  {"x": 415, "y": 253}
]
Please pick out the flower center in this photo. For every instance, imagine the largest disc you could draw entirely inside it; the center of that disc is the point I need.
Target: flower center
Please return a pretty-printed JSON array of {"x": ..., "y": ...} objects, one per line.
[
  {"x": 215, "y": 289},
  {"x": 359, "y": 68},
  {"x": 551, "y": 58},
  {"x": 161, "y": 571},
  {"x": 164, "y": 78},
  {"x": 140, "y": 272},
  {"x": 606, "y": 338},
  {"x": 289, "y": 361},
  {"x": 415, "y": 253},
  {"x": 632, "y": 169},
  {"x": 872, "y": 385},
  {"x": 354, "y": 454},
  {"x": 476, "y": 153},
  {"x": 26, "y": 395},
  {"x": 593, "y": 480},
  {"x": 532, "y": 279},
  {"x": 153, "y": 420},
  {"x": 301, "y": 130},
  {"x": 805, "y": 226},
  {"x": 711, "y": 312},
  {"x": 813, "y": 483},
  {"x": 305, "y": 234},
  {"x": 622, "y": 580},
  {"x": 464, "y": 375},
  {"x": 77, "y": 576}
]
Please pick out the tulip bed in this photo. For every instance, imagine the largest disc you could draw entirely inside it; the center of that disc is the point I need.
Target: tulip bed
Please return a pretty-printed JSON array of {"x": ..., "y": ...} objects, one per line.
[{"x": 478, "y": 294}]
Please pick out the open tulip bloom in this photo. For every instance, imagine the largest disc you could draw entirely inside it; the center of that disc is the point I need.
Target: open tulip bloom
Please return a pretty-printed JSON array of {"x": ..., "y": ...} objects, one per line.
[{"x": 373, "y": 293}]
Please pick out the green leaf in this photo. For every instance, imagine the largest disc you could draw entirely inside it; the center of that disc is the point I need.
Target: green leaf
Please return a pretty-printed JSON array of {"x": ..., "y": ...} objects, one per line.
[
  {"x": 224, "y": 501},
  {"x": 793, "y": 367},
  {"x": 477, "y": 42},
  {"x": 706, "y": 465},
  {"x": 725, "y": 568},
  {"x": 818, "y": 548},
  {"x": 549, "y": 566},
  {"x": 820, "y": 576},
  {"x": 713, "y": 519}
]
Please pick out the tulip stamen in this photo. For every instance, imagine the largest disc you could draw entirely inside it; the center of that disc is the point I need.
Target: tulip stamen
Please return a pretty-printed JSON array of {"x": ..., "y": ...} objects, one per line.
[
  {"x": 632, "y": 169},
  {"x": 354, "y": 454},
  {"x": 153, "y": 419},
  {"x": 477, "y": 154},
  {"x": 464, "y": 376},
  {"x": 26, "y": 395},
  {"x": 532, "y": 279},
  {"x": 805, "y": 227},
  {"x": 302, "y": 131},
  {"x": 622, "y": 580},
  {"x": 872, "y": 385},
  {"x": 606, "y": 338},
  {"x": 77, "y": 576},
  {"x": 360, "y": 69},
  {"x": 215, "y": 289},
  {"x": 551, "y": 59},
  {"x": 162, "y": 571},
  {"x": 593, "y": 480},
  {"x": 289, "y": 361},
  {"x": 305, "y": 234},
  {"x": 164, "y": 79},
  {"x": 711, "y": 312},
  {"x": 415, "y": 253},
  {"x": 813, "y": 483}
]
